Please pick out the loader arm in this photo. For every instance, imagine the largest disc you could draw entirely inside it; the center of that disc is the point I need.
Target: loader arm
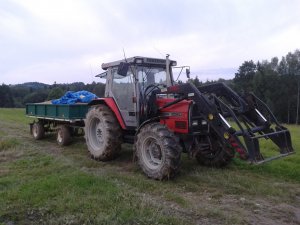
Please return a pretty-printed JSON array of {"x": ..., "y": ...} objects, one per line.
[{"x": 254, "y": 119}]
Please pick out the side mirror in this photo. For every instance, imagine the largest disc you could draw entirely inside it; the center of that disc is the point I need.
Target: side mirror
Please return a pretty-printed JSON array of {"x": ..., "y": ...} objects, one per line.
[
  {"x": 187, "y": 71},
  {"x": 123, "y": 69},
  {"x": 102, "y": 75}
]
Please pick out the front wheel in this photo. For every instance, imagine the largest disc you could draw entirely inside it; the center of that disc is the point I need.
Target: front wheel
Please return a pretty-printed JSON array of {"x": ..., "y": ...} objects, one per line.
[
  {"x": 211, "y": 152},
  {"x": 158, "y": 151}
]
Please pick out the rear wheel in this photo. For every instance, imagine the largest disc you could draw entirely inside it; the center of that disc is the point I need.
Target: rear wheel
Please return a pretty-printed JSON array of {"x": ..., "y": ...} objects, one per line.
[
  {"x": 63, "y": 135},
  {"x": 211, "y": 152},
  {"x": 158, "y": 151},
  {"x": 38, "y": 130},
  {"x": 102, "y": 133}
]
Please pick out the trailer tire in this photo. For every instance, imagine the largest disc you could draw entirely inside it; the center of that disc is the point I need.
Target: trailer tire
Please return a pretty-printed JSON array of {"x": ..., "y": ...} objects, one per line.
[
  {"x": 216, "y": 155},
  {"x": 102, "y": 133},
  {"x": 38, "y": 130},
  {"x": 158, "y": 151},
  {"x": 63, "y": 137}
]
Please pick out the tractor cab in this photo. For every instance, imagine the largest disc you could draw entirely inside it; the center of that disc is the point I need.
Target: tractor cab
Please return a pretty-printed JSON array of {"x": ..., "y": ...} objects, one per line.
[{"x": 130, "y": 81}]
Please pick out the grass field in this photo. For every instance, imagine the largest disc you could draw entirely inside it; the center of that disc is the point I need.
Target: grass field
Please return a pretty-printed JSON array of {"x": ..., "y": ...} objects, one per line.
[{"x": 42, "y": 183}]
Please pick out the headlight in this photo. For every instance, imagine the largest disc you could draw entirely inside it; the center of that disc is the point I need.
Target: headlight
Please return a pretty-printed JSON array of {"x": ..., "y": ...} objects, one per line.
[
  {"x": 203, "y": 122},
  {"x": 195, "y": 123}
]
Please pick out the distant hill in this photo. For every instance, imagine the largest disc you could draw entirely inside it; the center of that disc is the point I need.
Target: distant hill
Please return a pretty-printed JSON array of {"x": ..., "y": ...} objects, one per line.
[{"x": 32, "y": 85}]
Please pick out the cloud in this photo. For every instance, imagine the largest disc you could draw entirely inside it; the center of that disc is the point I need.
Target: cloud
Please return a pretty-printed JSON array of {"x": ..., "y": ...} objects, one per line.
[{"x": 66, "y": 40}]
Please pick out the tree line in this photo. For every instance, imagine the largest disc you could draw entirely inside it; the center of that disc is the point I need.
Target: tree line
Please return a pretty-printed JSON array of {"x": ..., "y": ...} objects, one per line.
[
  {"x": 18, "y": 95},
  {"x": 276, "y": 82}
]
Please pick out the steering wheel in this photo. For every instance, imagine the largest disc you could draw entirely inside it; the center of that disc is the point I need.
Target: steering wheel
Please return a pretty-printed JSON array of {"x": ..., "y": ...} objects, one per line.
[
  {"x": 153, "y": 87},
  {"x": 146, "y": 106}
]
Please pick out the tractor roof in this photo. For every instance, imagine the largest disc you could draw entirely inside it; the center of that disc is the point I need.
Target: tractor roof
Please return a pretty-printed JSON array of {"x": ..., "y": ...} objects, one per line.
[{"x": 139, "y": 60}]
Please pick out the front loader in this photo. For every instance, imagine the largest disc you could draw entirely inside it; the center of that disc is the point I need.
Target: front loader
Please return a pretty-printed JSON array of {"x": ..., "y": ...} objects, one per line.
[
  {"x": 144, "y": 106},
  {"x": 253, "y": 119}
]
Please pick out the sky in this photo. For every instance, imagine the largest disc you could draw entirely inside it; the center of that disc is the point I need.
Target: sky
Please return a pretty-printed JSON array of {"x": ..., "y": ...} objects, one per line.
[{"x": 66, "y": 41}]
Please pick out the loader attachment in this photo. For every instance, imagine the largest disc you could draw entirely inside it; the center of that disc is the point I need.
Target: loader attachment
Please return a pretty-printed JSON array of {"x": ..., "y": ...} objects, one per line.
[{"x": 249, "y": 120}]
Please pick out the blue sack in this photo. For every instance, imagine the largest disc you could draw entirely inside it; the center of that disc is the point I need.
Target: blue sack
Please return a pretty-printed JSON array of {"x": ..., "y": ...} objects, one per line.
[{"x": 72, "y": 97}]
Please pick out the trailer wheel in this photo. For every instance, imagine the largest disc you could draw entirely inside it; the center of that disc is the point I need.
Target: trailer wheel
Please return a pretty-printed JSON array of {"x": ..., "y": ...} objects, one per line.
[
  {"x": 38, "y": 130},
  {"x": 102, "y": 133},
  {"x": 63, "y": 135},
  {"x": 212, "y": 153},
  {"x": 158, "y": 151}
]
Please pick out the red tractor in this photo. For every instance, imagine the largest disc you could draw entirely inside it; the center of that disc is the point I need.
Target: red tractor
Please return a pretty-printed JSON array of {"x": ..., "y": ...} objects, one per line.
[{"x": 143, "y": 105}]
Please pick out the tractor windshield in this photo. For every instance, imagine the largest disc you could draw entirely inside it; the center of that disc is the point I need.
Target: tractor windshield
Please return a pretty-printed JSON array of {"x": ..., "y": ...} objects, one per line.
[{"x": 151, "y": 75}]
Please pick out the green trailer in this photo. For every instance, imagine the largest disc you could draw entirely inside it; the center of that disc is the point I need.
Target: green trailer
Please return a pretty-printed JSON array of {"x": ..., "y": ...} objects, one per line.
[{"x": 65, "y": 120}]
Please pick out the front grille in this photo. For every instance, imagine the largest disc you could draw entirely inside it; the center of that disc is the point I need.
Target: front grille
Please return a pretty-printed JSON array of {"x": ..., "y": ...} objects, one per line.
[{"x": 180, "y": 124}]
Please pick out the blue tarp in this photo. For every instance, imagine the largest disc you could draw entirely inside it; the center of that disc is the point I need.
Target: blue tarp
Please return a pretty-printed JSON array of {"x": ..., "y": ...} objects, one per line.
[{"x": 72, "y": 97}]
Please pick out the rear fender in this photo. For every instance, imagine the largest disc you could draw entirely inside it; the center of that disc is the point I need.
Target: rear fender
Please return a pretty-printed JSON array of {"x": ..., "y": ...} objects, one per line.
[{"x": 110, "y": 102}]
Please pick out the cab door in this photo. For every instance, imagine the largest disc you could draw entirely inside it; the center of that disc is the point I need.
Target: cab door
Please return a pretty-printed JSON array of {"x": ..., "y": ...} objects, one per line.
[{"x": 123, "y": 91}]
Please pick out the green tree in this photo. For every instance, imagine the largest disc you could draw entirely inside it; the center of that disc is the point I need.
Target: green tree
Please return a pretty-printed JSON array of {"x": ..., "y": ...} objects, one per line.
[
  {"x": 283, "y": 67},
  {"x": 18, "y": 92},
  {"x": 289, "y": 68},
  {"x": 277, "y": 83},
  {"x": 195, "y": 81},
  {"x": 35, "y": 97},
  {"x": 55, "y": 93},
  {"x": 6, "y": 98},
  {"x": 243, "y": 79},
  {"x": 99, "y": 89}
]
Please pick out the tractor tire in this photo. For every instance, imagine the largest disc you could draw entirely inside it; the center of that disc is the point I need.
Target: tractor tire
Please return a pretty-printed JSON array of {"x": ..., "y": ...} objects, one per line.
[
  {"x": 38, "y": 130},
  {"x": 63, "y": 137},
  {"x": 213, "y": 154},
  {"x": 158, "y": 151},
  {"x": 103, "y": 134}
]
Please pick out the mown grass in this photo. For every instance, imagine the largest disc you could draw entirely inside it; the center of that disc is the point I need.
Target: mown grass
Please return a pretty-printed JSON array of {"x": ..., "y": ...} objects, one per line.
[
  {"x": 287, "y": 168},
  {"x": 42, "y": 189},
  {"x": 8, "y": 143},
  {"x": 14, "y": 115},
  {"x": 41, "y": 183}
]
